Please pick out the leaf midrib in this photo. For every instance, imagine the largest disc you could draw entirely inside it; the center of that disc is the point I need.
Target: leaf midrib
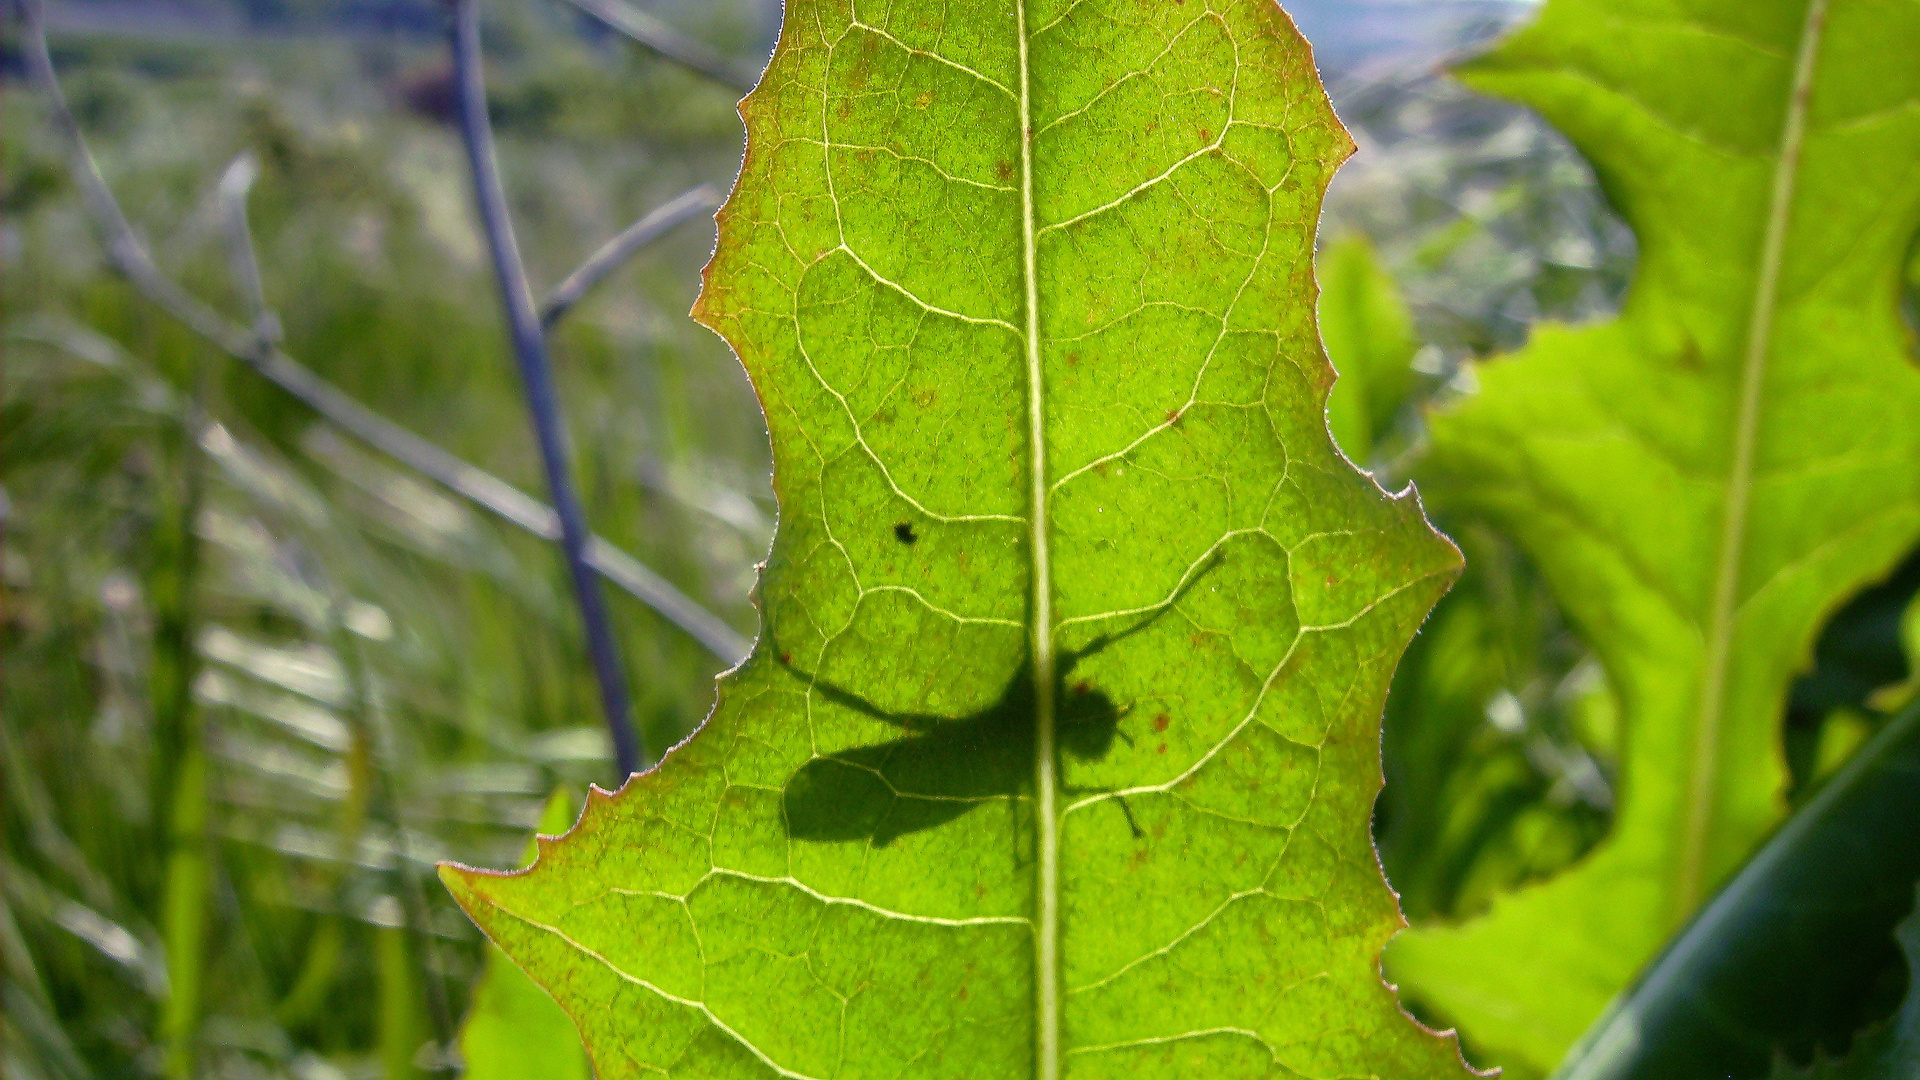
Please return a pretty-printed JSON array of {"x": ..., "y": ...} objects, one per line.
[
  {"x": 1046, "y": 822},
  {"x": 1703, "y": 780}
]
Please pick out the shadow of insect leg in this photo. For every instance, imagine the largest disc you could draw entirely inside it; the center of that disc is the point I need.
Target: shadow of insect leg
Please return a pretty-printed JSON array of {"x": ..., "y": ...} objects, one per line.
[{"x": 1132, "y": 825}]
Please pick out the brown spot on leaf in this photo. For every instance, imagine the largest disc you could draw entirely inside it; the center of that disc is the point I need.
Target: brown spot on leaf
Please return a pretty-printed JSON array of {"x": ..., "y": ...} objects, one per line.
[
  {"x": 1690, "y": 357},
  {"x": 1160, "y": 722}
]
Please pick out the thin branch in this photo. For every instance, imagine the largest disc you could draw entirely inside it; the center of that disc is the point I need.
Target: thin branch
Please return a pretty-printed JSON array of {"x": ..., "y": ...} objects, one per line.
[
  {"x": 669, "y": 42},
  {"x": 663, "y": 219},
  {"x": 231, "y": 206},
  {"x": 128, "y": 256},
  {"x": 543, "y": 399}
]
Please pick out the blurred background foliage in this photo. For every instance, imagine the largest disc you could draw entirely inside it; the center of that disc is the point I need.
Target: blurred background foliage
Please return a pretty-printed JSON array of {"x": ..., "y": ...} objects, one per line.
[
  {"x": 233, "y": 636},
  {"x": 217, "y": 606}
]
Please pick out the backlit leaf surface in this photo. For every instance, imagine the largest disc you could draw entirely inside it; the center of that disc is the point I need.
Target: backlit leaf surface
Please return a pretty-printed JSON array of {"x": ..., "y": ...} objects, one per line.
[
  {"x": 1058, "y": 747},
  {"x": 514, "y": 1030},
  {"x": 1704, "y": 479}
]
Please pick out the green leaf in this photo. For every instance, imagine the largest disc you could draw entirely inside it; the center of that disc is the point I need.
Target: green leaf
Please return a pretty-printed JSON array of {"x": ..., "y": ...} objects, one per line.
[
  {"x": 1705, "y": 478},
  {"x": 514, "y": 1030},
  {"x": 1488, "y": 783},
  {"x": 1370, "y": 340},
  {"x": 1058, "y": 748},
  {"x": 1889, "y": 1052},
  {"x": 1790, "y": 958}
]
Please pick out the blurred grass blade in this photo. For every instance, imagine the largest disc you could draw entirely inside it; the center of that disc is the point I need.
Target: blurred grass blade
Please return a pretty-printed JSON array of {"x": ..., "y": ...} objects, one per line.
[
  {"x": 668, "y": 42},
  {"x": 30, "y": 1036},
  {"x": 401, "y": 1025},
  {"x": 639, "y": 579},
  {"x": 614, "y": 253},
  {"x": 484, "y": 489},
  {"x": 1782, "y": 945},
  {"x": 1370, "y": 339},
  {"x": 178, "y": 780},
  {"x": 243, "y": 259}
]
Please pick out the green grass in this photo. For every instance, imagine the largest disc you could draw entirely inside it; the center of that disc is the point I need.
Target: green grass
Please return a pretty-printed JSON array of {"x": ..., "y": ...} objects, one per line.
[
  {"x": 374, "y": 675},
  {"x": 377, "y": 675}
]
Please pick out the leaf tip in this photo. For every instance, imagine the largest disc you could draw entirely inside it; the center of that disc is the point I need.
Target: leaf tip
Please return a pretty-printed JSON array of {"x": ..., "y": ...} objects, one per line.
[{"x": 461, "y": 883}]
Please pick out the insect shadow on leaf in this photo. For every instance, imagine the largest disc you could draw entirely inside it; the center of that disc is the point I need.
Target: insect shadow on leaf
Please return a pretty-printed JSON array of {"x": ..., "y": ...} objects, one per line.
[{"x": 947, "y": 766}]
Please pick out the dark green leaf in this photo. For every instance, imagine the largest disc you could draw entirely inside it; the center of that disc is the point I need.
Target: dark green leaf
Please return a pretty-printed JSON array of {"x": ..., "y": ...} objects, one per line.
[
  {"x": 1781, "y": 953},
  {"x": 1892, "y": 1050}
]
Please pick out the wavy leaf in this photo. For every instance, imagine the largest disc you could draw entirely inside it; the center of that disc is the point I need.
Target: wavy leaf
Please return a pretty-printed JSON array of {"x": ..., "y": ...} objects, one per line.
[
  {"x": 514, "y": 1030},
  {"x": 1704, "y": 479},
  {"x": 1890, "y": 1051},
  {"x": 1057, "y": 750},
  {"x": 1792, "y": 957}
]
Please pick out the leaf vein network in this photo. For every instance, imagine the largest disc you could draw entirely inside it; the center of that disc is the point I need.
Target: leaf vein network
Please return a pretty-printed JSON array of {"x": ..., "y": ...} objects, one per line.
[
  {"x": 663, "y": 994},
  {"x": 828, "y": 898},
  {"x": 1143, "y": 73},
  {"x": 884, "y": 35}
]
